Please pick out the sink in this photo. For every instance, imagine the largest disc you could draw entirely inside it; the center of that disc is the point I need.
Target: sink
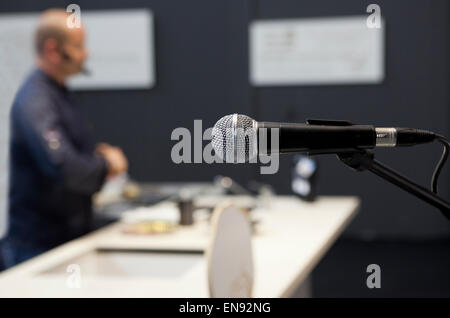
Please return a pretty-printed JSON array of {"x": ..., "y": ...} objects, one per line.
[{"x": 132, "y": 263}]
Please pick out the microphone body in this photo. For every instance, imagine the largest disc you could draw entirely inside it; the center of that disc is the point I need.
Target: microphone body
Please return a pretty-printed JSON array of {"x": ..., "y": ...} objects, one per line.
[
  {"x": 316, "y": 139},
  {"x": 238, "y": 137},
  {"x": 323, "y": 137}
]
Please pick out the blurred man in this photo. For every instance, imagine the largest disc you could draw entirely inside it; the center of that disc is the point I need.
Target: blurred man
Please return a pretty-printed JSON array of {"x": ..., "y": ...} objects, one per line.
[{"x": 54, "y": 165}]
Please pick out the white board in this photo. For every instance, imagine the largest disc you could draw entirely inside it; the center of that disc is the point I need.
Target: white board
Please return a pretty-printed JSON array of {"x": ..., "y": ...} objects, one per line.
[
  {"x": 120, "y": 44},
  {"x": 16, "y": 59},
  {"x": 121, "y": 54},
  {"x": 314, "y": 51}
]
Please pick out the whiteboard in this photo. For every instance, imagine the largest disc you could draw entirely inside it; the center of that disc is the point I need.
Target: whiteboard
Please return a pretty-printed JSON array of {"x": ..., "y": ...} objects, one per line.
[
  {"x": 120, "y": 44},
  {"x": 16, "y": 58},
  {"x": 314, "y": 51},
  {"x": 121, "y": 53}
]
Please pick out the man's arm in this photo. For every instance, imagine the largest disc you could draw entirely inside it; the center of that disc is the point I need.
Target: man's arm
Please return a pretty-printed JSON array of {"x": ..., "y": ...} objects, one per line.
[{"x": 53, "y": 151}]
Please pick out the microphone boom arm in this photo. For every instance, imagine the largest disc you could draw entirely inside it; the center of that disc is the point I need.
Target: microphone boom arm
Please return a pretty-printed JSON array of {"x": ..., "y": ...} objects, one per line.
[{"x": 362, "y": 160}]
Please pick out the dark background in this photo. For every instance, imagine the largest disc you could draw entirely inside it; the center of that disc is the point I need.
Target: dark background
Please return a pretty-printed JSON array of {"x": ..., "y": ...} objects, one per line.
[{"x": 202, "y": 73}]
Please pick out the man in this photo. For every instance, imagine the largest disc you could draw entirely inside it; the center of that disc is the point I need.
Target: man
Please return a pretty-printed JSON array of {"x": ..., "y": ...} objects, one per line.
[{"x": 54, "y": 166}]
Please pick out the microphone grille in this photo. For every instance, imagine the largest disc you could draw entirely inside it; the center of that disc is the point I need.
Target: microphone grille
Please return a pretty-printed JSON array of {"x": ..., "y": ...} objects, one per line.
[{"x": 234, "y": 138}]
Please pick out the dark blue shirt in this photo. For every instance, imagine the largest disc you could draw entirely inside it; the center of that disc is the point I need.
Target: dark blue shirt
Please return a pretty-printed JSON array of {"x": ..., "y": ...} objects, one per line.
[{"x": 53, "y": 169}]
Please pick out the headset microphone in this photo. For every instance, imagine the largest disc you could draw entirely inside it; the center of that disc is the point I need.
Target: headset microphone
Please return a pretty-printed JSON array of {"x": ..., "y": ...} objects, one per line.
[{"x": 68, "y": 59}]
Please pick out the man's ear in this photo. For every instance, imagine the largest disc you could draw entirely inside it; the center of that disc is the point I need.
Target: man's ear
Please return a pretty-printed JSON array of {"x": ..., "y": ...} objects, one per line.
[{"x": 51, "y": 51}]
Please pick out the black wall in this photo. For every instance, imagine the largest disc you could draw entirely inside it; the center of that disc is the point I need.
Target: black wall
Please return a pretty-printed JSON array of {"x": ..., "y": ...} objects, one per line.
[{"x": 202, "y": 73}]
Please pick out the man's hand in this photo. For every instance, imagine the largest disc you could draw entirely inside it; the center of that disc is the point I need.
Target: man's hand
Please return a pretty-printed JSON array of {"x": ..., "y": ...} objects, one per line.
[{"x": 116, "y": 160}]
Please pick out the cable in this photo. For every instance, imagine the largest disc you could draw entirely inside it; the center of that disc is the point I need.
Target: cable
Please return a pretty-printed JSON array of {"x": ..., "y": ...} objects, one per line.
[{"x": 437, "y": 170}]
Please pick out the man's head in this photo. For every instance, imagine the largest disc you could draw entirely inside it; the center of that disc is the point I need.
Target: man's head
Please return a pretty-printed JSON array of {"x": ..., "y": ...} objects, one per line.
[{"x": 60, "y": 49}]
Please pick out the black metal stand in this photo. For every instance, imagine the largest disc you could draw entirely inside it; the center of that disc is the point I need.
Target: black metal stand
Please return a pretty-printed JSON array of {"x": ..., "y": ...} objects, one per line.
[{"x": 364, "y": 160}]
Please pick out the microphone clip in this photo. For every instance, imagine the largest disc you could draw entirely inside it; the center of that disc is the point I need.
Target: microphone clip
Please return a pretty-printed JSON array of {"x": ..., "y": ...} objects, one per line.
[
  {"x": 326, "y": 122},
  {"x": 358, "y": 160}
]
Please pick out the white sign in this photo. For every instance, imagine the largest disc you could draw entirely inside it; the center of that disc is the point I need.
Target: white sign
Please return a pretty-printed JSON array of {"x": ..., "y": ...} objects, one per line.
[{"x": 341, "y": 50}]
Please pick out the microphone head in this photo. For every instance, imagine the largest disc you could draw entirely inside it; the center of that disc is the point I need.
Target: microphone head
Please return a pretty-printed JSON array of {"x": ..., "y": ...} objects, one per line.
[
  {"x": 234, "y": 138},
  {"x": 86, "y": 71}
]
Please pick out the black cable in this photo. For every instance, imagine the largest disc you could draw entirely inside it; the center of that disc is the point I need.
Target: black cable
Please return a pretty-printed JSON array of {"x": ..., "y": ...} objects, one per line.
[{"x": 437, "y": 171}]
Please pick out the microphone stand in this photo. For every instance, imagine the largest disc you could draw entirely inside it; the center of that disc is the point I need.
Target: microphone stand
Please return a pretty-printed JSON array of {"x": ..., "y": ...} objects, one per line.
[{"x": 362, "y": 160}]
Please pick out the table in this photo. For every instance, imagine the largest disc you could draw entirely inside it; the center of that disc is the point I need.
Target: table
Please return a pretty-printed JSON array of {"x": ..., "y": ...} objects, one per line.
[{"x": 289, "y": 240}]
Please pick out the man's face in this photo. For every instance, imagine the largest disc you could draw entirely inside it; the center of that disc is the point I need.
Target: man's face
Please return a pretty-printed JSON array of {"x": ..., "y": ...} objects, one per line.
[{"x": 75, "y": 50}]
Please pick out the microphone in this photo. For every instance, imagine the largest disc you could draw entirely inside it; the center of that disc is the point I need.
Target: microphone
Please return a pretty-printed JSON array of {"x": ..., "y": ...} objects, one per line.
[
  {"x": 86, "y": 71},
  {"x": 68, "y": 59},
  {"x": 238, "y": 138}
]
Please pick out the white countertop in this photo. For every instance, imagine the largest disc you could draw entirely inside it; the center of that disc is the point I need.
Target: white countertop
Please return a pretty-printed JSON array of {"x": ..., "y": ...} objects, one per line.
[{"x": 290, "y": 239}]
